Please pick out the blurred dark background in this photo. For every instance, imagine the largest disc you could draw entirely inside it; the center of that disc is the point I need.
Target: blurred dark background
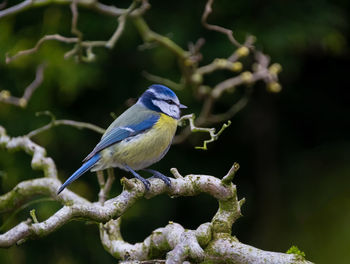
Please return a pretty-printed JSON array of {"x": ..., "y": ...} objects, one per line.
[{"x": 293, "y": 147}]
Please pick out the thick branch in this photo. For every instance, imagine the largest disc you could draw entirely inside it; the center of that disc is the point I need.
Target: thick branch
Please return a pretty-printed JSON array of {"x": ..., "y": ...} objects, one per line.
[
  {"x": 44, "y": 186},
  {"x": 76, "y": 207},
  {"x": 173, "y": 238},
  {"x": 228, "y": 250},
  {"x": 184, "y": 244},
  {"x": 211, "y": 241}
]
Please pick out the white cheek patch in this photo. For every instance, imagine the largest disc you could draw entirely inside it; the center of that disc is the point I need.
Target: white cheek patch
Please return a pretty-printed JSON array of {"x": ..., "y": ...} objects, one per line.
[
  {"x": 175, "y": 111},
  {"x": 170, "y": 110},
  {"x": 164, "y": 107}
]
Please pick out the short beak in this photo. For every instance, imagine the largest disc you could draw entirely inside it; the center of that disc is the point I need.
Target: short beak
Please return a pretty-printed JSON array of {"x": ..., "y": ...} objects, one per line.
[{"x": 183, "y": 106}]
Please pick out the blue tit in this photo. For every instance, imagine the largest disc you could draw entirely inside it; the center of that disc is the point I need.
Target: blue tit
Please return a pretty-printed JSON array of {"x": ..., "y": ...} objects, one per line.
[{"x": 138, "y": 138}]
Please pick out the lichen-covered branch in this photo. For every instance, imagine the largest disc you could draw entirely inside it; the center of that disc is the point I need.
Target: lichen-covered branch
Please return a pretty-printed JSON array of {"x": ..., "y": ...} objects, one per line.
[
  {"x": 77, "y": 207},
  {"x": 210, "y": 241},
  {"x": 39, "y": 160},
  {"x": 178, "y": 245},
  {"x": 228, "y": 250}
]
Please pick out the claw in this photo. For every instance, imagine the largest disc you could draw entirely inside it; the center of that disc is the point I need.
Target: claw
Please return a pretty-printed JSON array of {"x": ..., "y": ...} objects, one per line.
[
  {"x": 145, "y": 182},
  {"x": 157, "y": 174}
]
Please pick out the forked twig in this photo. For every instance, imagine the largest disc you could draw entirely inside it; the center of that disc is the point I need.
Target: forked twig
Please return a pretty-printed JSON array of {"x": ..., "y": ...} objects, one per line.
[{"x": 6, "y": 97}]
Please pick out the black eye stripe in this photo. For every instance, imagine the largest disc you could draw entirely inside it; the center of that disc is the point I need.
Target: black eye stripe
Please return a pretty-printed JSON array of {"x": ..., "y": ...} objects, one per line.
[{"x": 169, "y": 101}]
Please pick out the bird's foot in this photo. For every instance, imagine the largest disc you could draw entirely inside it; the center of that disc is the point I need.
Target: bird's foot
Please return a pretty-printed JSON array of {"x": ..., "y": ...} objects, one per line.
[
  {"x": 145, "y": 182},
  {"x": 157, "y": 174}
]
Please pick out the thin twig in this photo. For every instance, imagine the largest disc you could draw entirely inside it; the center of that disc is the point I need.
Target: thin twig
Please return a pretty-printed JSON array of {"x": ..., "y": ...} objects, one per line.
[
  {"x": 75, "y": 16},
  {"x": 38, "y": 45},
  {"x": 233, "y": 110},
  {"x": 219, "y": 64},
  {"x": 240, "y": 52},
  {"x": 6, "y": 97},
  {"x": 105, "y": 186},
  {"x": 16, "y": 9},
  {"x": 101, "y": 182},
  {"x": 54, "y": 122},
  {"x": 122, "y": 13},
  {"x": 145, "y": 5},
  {"x": 228, "y": 178},
  {"x": 118, "y": 32},
  {"x": 194, "y": 49},
  {"x": 76, "y": 124},
  {"x": 149, "y": 36},
  {"x": 94, "y": 5},
  {"x": 223, "y": 30},
  {"x": 157, "y": 79},
  {"x": 261, "y": 72},
  {"x": 214, "y": 136},
  {"x": 212, "y": 131}
]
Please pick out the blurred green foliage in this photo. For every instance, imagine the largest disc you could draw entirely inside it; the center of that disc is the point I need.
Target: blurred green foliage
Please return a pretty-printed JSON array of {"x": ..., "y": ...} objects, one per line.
[{"x": 293, "y": 147}]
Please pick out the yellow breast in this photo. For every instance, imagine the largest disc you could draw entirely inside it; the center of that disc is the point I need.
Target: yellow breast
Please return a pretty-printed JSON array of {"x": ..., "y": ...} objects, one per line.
[
  {"x": 166, "y": 123},
  {"x": 144, "y": 149}
]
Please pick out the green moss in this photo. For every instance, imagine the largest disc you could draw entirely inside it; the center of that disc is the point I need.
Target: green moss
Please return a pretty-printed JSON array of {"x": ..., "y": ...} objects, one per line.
[
  {"x": 158, "y": 250},
  {"x": 296, "y": 251},
  {"x": 204, "y": 237},
  {"x": 228, "y": 212},
  {"x": 211, "y": 253}
]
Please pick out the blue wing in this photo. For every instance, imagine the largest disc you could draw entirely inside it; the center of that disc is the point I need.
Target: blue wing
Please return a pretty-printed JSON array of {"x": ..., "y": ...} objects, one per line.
[{"x": 120, "y": 133}]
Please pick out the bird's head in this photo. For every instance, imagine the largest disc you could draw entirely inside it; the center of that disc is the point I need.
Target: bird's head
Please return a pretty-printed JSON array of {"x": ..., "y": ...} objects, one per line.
[{"x": 161, "y": 99}]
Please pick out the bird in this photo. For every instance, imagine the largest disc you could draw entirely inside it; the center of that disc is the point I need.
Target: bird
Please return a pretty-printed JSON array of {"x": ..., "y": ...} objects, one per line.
[{"x": 138, "y": 138}]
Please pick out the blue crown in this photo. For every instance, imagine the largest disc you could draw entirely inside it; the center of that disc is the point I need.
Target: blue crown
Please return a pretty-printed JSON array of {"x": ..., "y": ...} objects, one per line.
[{"x": 162, "y": 90}]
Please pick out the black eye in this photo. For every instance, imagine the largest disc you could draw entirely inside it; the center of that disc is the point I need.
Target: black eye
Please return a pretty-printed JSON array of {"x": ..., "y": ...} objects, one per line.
[{"x": 169, "y": 101}]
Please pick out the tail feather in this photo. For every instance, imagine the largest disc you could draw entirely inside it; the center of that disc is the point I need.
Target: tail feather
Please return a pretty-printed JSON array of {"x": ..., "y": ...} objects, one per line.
[{"x": 84, "y": 168}]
